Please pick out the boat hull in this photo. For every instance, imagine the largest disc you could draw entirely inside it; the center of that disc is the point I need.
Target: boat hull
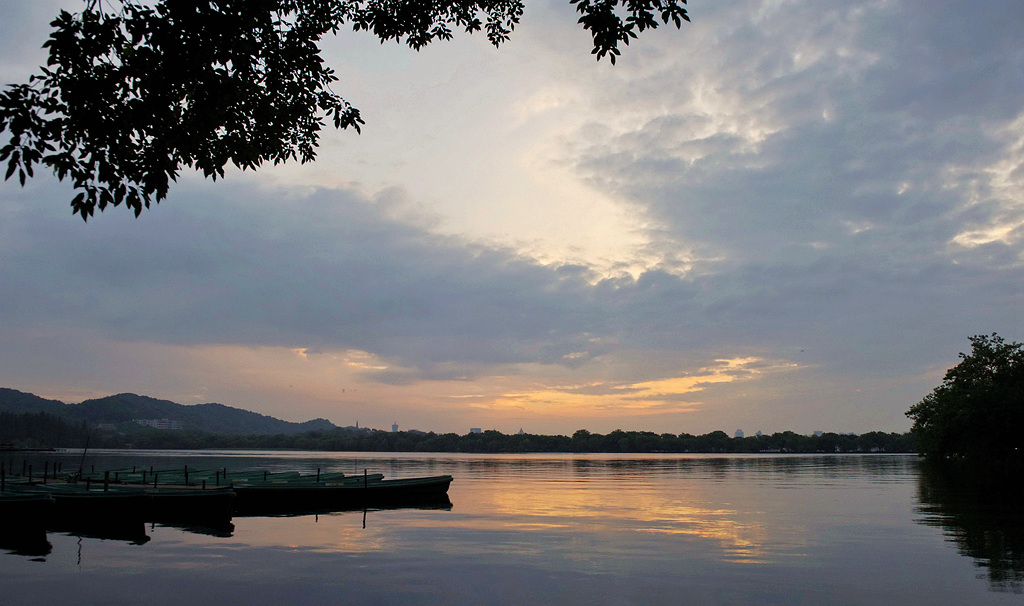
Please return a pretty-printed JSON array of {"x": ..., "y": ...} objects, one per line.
[{"x": 414, "y": 492}]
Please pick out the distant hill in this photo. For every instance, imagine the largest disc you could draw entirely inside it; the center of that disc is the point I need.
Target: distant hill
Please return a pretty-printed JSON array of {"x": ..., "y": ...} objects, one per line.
[{"x": 127, "y": 407}]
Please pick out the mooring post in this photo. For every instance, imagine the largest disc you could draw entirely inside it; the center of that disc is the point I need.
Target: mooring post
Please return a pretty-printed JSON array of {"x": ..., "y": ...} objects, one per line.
[
  {"x": 143, "y": 476},
  {"x": 204, "y": 484},
  {"x": 216, "y": 477},
  {"x": 29, "y": 474},
  {"x": 317, "y": 475},
  {"x": 106, "y": 481},
  {"x": 186, "y": 475},
  {"x": 366, "y": 480},
  {"x": 154, "y": 480},
  {"x": 46, "y": 470}
]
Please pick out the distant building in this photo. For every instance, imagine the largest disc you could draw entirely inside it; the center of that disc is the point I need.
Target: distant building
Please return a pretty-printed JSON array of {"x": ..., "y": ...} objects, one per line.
[
  {"x": 738, "y": 434},
  {"x": 817, "y": 433},
  {"x": 160, "y": 423},
  {"x": 394, "y": 428},
  {"x": 475, "y": 430},
  {"x": 521, "y": 432},
  {"x": 106, "y": 427},
  {"x": 759, "y": 434}
]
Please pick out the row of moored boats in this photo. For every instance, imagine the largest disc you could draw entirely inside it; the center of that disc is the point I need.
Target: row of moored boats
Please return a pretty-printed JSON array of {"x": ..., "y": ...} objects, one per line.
[{"x": 204, "y": 496}]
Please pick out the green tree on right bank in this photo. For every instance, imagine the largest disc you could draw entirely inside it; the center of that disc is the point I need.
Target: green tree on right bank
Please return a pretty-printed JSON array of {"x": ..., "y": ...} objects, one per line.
[{"x": 977, "y": 413}]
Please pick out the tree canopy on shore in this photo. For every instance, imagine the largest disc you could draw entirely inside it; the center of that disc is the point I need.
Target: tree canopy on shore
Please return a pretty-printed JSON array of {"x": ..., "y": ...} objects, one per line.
[{"x": 977, "y": 413}]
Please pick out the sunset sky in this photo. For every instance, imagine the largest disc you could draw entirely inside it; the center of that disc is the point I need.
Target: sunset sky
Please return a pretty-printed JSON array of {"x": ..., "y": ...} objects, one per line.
[{"x": 788, "y": 215}]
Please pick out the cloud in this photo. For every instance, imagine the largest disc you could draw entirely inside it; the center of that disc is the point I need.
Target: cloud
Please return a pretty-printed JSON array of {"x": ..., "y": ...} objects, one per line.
[{"x": 844, "y": 176}]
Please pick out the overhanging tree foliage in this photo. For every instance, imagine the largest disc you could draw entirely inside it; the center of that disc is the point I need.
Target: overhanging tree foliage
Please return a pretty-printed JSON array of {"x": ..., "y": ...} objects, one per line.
[
  {"x": 978, "y": 411},
  {"x": 129, "y": 97}
]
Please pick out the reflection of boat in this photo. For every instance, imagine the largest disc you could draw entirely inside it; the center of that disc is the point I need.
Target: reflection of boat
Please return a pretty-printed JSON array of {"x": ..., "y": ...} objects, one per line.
[
  {"x": 356, "y": 493},
  {"x": 186, "y": 503},
  {"x": 31, "y": 544},
  {"x": 131, "y": 531},
  {"x": 19, "y": 510},
  {"x": 23, "y": 519},
  {"x": 212, "y": 529}
]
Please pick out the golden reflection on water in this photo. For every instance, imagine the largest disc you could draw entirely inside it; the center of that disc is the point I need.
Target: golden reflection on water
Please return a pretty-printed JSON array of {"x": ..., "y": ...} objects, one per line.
[{"x": 626, "y": 511}]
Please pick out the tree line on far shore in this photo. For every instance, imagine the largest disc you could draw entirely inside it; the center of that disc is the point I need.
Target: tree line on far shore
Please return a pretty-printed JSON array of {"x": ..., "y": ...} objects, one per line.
[{"x": 42, "y": 430}]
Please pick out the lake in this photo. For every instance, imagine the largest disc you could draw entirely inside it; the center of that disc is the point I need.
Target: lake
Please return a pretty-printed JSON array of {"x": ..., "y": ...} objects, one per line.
[{"x": 565, "y": 529}]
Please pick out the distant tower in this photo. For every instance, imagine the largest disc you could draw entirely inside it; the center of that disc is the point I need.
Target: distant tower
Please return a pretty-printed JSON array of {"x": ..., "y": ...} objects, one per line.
[
  {"x": 521, "y": 432},
  {"x": 394, "y": 427},
  {"x": 739, "y": 433}
]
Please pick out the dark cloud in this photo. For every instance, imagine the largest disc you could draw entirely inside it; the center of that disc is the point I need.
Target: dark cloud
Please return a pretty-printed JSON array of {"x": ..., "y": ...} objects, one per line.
[{"x": 326, "y": 270}]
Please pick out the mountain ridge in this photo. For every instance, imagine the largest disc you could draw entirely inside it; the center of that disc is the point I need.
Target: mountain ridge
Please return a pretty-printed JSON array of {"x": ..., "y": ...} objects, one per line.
[{"x": 124, "y": 408}]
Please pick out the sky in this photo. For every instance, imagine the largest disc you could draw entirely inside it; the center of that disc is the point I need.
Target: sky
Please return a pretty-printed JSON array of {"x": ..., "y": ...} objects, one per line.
[{"x": 787, "y": 215}]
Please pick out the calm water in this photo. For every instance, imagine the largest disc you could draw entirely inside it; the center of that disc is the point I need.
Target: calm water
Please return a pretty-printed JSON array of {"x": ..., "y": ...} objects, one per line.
[{"x": 567, "y": 529}]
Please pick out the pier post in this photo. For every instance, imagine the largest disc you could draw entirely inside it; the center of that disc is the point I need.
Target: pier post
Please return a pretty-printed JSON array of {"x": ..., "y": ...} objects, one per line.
[
  {"x": 366, "y": 480},
  {"x": 106, "y": 481},
  {"x": 46, "y": 470},
  {"x": 317, "y": 475}
]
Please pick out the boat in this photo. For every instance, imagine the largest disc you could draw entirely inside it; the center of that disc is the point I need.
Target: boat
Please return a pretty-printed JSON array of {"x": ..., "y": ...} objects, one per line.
[
  {"x": 83, "y": 506},
  {"x": 350, "y": 494},
  {"x": 214, "y": 496}
]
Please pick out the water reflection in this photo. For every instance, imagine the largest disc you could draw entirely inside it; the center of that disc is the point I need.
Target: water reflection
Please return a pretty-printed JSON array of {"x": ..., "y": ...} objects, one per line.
[
  {"x": 31, "y": 543},
  {"x": 981, "y": 513},
  {"x": 221, "y": 529},
  {"x": 567, "y": 529}
]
